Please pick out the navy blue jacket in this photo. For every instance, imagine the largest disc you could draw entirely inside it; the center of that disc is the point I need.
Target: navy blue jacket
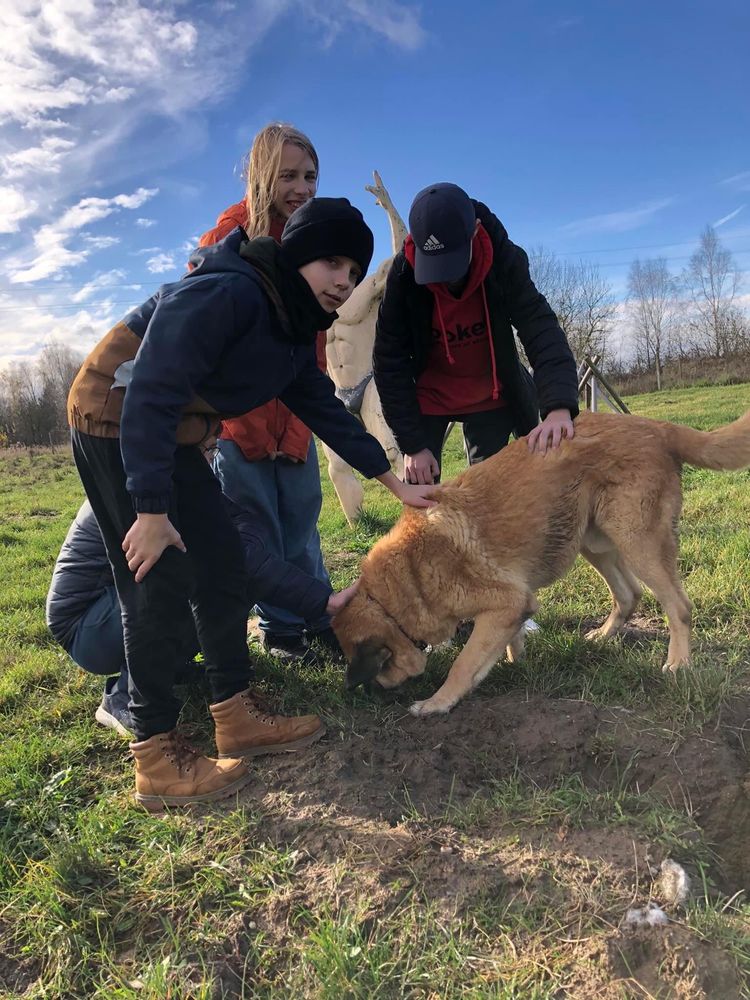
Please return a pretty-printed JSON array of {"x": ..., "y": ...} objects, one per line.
[{"x": 205, "y": 347}]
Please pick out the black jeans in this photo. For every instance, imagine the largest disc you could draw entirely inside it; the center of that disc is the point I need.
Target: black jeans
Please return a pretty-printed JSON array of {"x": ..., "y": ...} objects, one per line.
[
  {"x": 484, "y": 433},
  {"x": 211, "y": 576}
]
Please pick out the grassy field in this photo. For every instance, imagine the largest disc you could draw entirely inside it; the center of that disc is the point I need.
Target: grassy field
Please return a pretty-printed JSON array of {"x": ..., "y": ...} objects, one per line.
[{"x": 492, "y": 853}]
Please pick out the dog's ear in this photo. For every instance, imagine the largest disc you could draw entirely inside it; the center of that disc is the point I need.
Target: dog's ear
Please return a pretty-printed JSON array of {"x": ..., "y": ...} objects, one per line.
[{"x": 367, "y": 662}]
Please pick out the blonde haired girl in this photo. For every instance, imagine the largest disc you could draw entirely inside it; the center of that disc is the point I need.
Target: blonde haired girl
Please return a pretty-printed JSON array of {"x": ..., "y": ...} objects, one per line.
[
  {"x": 266, "y": 460},
  {"x": 280, "y": 168}
]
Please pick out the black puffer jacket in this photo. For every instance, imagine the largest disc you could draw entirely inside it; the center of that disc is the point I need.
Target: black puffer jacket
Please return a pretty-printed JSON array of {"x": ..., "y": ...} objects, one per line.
[
  {"x": 82, "y": 574},
  {"x": 403, "y": 338}
]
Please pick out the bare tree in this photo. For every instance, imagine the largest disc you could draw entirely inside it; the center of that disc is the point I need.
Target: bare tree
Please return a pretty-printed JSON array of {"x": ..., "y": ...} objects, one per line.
[
  {"x": 57, "y": 366},
  {"x": 653, "y": 304},
  {"x": 712, "y": 280},
  {"x": 33, "y": 397},
  {"x": 581, "y": 298}
]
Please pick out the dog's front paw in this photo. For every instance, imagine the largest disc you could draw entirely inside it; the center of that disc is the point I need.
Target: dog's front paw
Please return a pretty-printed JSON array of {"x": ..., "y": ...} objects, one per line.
[
  {"x": 429, "y": 707},
  {"x": 673, "y": 668},
  {"x": 595, "y": 635}
]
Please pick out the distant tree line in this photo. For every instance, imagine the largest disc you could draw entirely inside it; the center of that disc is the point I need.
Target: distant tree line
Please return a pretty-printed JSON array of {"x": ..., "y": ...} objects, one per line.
[
  {"x": 678, "y": 321},
  {"x": 33, "y": 395}
]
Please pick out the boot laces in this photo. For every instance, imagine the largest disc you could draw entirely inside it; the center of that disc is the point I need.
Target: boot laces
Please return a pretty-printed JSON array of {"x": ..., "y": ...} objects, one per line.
[
  {"x": 259, "y": 708},
  {"x": 179, "y": 752}
]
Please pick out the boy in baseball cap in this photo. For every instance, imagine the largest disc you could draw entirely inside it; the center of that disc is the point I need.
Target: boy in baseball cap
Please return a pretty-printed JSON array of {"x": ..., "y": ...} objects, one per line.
[{"x": 444, "y": 344}]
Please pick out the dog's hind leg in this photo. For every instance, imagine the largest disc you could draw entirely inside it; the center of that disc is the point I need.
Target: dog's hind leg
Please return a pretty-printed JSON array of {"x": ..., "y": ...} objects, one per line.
[
  {"x": 655, "y": 562},
  {"x": 493, "y": 630},
  {"x": 623, "y": 586}
]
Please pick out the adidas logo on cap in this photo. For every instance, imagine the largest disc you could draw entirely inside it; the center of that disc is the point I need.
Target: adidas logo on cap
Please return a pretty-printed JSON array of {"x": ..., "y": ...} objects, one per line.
[{"x": 433, "y": 243}]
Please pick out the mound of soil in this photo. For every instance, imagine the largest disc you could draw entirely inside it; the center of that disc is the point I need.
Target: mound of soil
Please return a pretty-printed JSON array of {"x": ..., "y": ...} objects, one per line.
[{"x": 382, "y": 773}]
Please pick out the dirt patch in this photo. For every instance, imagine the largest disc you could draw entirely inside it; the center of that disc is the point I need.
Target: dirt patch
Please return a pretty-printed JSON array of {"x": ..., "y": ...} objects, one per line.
[
  {"x": 16, "y": 973},
  {"x": 370, "y": 771},
  {"x": 672, "y": 962}
]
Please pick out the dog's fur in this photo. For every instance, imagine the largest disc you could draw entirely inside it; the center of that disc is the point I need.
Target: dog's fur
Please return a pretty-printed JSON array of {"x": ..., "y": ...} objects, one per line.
[{"x": 516, "y": 523}]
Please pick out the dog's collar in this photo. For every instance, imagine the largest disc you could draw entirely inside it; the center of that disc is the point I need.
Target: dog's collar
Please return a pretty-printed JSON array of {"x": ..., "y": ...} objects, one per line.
[{"x": 419, "y": 643}]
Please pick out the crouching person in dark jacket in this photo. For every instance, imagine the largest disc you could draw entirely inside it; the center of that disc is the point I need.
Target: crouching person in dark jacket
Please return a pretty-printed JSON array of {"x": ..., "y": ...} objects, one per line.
[
  {"x": 235, "y": 332},
  {"x": 444, "y": 345},
  {"x": 84, "y": 616}
]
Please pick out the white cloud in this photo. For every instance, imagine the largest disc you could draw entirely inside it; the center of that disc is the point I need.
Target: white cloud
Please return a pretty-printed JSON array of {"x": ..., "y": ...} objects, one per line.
[
  {"x": 115, "y": 94},
  {"x": 145, "y": 223},
  {"x": 14, "y": 206},
  {"x": 45, "y": 158},
  {"x": 728, "y": 218},
  {"x": 26, "y": 327},
  {"x": 37, "y": 121},
  {"x": 161, "y": 263},
  {"x": 52, "y": 254},
  {"x": 103, "y": 280},
  {"x": 397, "y": 23},
  {"x": 99, "y": 242},
  {"x": 617, "y": 222},
  {"x": 739, "y": 182}
]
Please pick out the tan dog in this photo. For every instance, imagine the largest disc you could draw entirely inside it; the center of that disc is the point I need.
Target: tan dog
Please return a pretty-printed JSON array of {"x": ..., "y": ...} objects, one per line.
[{"x": 516, "y": 523}]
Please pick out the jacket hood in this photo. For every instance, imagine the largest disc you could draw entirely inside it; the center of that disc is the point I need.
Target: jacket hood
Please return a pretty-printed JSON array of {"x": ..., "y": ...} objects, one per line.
[{"x": 223, "y": 257}]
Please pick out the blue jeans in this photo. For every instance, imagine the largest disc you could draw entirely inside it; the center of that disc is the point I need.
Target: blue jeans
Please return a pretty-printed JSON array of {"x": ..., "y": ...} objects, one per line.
[
  {"x": 285, "y": 499},
  {"x": 98, "y": 645}
]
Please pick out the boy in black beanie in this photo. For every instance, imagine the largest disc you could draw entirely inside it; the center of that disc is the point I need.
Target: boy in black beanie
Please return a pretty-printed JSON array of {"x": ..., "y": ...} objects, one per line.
[
  {"x": 325, "y": 227},
  {"x": 236, "y": 331}
]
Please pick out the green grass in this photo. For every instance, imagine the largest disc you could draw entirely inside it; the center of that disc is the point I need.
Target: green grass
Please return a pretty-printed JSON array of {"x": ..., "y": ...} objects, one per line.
[{"x": 511, "y": 892}]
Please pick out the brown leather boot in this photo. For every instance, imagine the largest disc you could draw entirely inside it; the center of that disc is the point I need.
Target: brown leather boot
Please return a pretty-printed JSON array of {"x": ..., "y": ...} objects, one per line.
[
  {"x": 169, "y": 772},
  {"x": 245, "y": 727}
]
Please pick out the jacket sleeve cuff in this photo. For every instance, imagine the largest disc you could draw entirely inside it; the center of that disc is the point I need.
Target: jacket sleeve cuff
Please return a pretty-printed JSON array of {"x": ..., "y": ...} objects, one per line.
[
  {"x": 152, "y": 505},
  {"x": 410, "y": 446},
  {"x": 549, "y": 407},
  {"x": 376, "y": 469}
]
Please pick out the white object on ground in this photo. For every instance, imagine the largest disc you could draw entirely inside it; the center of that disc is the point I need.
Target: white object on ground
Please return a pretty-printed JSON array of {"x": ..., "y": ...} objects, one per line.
[
  {"x": 649, "y": 915},
  {"x": 674, "y": 882},
  {"x": 530, "y": 625}
]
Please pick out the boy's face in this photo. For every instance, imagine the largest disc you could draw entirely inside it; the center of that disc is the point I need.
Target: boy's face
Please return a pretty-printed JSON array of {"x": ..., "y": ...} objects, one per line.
[{"x": 332, "y": 280}]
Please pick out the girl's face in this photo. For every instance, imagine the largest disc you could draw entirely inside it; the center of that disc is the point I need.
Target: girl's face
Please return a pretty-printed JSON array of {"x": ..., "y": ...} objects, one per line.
[
  {"x": 298, "y": 180},
  {"x": 332, "y": 280}
]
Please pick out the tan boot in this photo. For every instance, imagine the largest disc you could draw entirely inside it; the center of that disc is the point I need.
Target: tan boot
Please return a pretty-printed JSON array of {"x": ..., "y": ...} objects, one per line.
[
  {"x": 168, "y": 772},
  {"x": 245, "y": 727}
]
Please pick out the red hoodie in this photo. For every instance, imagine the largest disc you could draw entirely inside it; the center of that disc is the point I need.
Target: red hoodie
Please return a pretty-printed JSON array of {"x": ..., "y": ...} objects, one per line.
[
  {"x": 460, "y": 375},
  {"x": 272, "y": 429}
]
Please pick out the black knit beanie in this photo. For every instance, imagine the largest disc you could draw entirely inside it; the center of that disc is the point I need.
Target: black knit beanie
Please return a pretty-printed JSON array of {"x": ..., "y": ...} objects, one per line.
[{"x": 327, "y": 227}]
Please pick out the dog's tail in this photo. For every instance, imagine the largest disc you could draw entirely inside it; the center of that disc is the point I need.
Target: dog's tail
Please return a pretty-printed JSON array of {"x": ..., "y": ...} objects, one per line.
[{"x": 724, "y": 449}]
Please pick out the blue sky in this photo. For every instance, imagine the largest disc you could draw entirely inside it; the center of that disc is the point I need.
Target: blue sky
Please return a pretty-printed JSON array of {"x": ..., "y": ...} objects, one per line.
[{"x": 604, "y": 129}]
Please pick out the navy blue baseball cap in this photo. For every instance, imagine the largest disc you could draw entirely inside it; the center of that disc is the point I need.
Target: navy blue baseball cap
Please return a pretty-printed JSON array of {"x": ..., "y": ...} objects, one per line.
[{"x": 441, "y": 222}]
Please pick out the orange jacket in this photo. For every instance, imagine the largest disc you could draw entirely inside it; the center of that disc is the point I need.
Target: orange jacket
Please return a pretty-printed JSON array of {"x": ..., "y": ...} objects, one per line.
[{"x": 271, "y": 430}]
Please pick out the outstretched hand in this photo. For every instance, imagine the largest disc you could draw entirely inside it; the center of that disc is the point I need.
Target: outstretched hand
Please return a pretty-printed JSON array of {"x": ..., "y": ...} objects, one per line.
[
  {"x": 412, "y": 496},
  {"x": 417, "y": 496},
  {"x": 555, "y": 426},
  {"x": 338, "y": 601}
]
